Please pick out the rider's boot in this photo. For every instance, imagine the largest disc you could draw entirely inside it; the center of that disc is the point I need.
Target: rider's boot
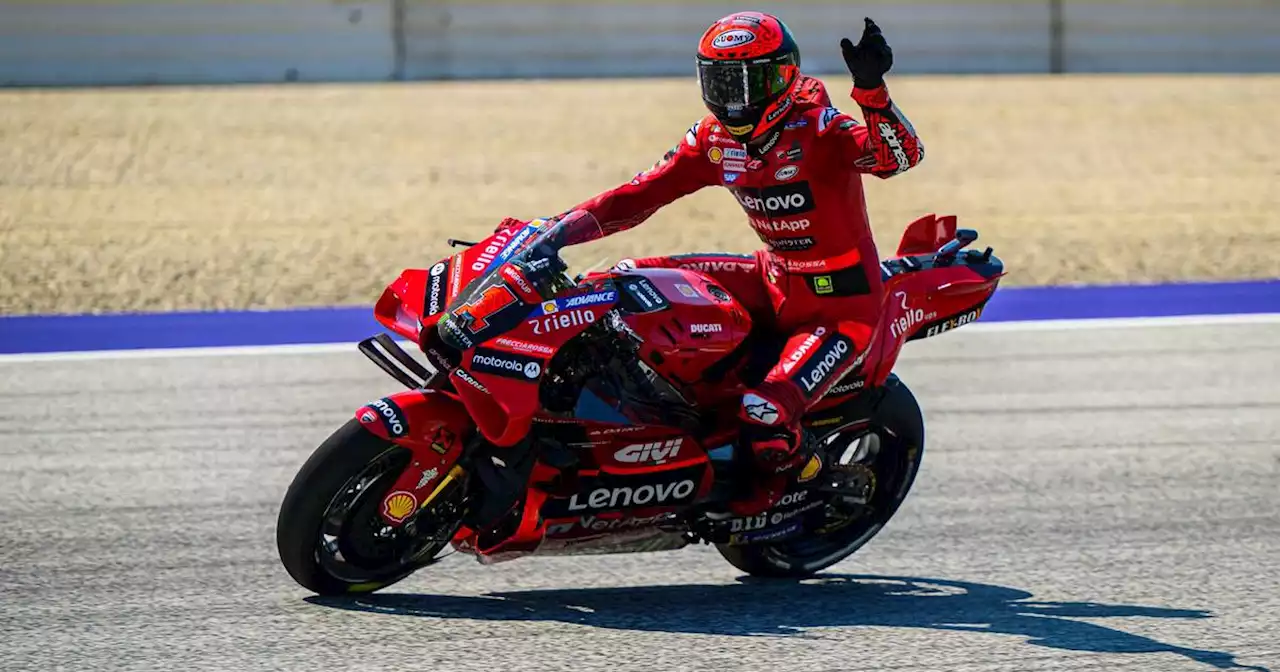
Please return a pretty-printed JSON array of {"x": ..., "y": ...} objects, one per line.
[{"x": 770, "y": 449}]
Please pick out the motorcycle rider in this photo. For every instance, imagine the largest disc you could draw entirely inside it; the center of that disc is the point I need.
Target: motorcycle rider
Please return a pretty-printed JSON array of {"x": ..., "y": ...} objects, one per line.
[{"x": 794, "y": 163}]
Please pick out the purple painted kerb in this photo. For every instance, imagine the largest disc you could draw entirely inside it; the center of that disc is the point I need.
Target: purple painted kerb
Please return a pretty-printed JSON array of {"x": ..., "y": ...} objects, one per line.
[{"x": 59, "y": 333}]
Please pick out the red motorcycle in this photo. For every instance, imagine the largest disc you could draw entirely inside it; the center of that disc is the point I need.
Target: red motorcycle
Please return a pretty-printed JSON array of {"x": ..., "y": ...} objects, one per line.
[{"x": 562, "y": 416}]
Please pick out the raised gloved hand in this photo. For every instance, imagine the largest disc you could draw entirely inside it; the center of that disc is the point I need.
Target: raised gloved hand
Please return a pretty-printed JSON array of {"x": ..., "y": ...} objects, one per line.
[
  {"x": 509, "y": 223},
  {"x": 869, "y": 59}
]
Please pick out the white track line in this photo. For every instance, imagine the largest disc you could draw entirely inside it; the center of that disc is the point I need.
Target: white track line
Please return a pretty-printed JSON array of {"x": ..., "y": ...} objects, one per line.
[{"x": 326, "y": 348}]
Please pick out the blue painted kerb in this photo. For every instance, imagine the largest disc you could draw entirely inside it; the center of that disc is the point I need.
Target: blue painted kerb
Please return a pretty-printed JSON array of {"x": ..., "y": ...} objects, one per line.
[{"x": 58, "y": 333}]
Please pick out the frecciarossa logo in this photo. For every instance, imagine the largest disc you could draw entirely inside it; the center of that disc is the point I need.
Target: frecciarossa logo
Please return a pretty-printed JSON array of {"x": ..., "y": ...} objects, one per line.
[{"x": 779, "y": 200}]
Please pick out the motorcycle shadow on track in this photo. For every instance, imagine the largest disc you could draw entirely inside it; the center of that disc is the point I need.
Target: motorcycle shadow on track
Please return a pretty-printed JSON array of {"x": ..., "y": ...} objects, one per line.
[{"x": 783, "y": 608}]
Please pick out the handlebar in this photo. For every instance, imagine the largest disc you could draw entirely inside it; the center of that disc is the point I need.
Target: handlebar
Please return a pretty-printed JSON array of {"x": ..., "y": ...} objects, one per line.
[{"x": 947, "y": 253}]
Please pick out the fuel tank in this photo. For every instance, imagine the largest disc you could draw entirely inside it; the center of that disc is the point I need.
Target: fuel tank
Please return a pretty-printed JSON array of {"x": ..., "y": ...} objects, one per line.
[{"x": 686, "y": 322}]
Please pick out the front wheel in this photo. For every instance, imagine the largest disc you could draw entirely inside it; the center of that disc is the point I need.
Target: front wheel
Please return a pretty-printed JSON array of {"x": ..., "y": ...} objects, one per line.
[
  {"x": 887, "y": 453},
  {"x": 329, "y": 534}
]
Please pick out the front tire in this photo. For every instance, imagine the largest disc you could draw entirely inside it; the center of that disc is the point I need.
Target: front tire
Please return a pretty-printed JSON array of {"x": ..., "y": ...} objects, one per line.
[
  {"x": 898, "y": 429},
  {"x": 329, "y": 535}
]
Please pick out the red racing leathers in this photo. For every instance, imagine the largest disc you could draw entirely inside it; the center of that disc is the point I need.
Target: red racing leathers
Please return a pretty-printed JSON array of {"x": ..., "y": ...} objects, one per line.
[{"x": 818, "y": 279}]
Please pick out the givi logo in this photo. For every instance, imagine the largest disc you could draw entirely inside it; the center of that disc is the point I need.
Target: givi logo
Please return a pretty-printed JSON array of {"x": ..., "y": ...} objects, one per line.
[{"x": 656, "y": 452}]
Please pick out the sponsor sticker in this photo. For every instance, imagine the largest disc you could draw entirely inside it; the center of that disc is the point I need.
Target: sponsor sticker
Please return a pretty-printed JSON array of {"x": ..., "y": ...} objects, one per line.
[
  {"x": 740, "y": 130},
  {"x": 622, "y": 497},
  {"x": 846, "y": 386},
  {"x": 441, "y": 440},
  {"x": 780, "y": 110},
  {"x": 399, "y": 505},
  {"x": 392, "y": 417},
  {"x": 790, "y": 244},
  {"x": 492, "y": 248},
  {"x": 455, "y": 278},
  {"x": 798, "y": 123},
  {"x": 566, "y": 320},
  {"x": 786, "y": 172},
  {"x": 588, "y": 299},
  {"x": 823, "y": 284},
  {"x": 736, "y": 153},
  {"x": 952, "y": 323},
  {"x": 827, "y": 116},
  {"x": 612, "y": 492},
  {"x": 909, "y": 319},
  {"x": 730, "y": 178},
  {"x": 470, "y": 380},
  {"x": 730, "y": 39},
  {"x": 706, "y": 328},
  {"x": 713, "y": 265},
  {"x": 656, "y": 452},
  {"x": 715, "y": 155},
  {"x": 810, "y": 470},
  {"x": 890, "y": 137},
  {"x": 436, "y": 285},
  {"x": 687, "y": 290},
  {"x": 368, "y": 417},
  {"x": 760, "y": 409},
  {"x": 777, "y": 200},
  {"x": 691, "y": 136},
  {"x": 645, "y": 294},
  {"x": 805, "y": 346},
  {"x": 426, "y": 478},
  {"x": 516, "y": 278},
  {"x": 735, "y": 166},
  {"x": 825, "y": 361},
  {"x": 770, "y": 225},
  {"x": 524, "y": 346},
  {"x": 506, "y": 364}
]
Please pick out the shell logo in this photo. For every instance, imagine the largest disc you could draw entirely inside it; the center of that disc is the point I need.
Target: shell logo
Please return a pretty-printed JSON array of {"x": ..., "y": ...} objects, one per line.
[
  {"x": 810, "y": 470},
  {"x": 399, "y": 504},
  {"x": 715, "y": 154}
]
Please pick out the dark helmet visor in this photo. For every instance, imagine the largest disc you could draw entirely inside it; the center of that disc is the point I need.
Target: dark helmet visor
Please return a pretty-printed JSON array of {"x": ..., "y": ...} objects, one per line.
[{"x": 740, "y": 86}]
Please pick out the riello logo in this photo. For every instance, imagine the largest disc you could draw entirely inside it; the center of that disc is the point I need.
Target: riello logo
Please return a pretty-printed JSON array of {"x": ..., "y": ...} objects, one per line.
[{"x": 908, "y": 320}]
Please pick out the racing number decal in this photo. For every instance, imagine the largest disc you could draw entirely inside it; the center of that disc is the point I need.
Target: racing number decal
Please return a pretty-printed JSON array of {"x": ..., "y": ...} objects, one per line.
[{"x": 476, "y": 314}]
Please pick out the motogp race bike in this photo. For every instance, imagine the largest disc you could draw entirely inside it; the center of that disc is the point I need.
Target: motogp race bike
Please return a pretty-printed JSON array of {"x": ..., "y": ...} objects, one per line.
[{"x": 596, "y": 414}]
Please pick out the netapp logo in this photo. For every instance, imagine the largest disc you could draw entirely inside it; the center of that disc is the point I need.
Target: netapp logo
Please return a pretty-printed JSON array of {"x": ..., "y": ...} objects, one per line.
[{"x": 783, "y": 199}]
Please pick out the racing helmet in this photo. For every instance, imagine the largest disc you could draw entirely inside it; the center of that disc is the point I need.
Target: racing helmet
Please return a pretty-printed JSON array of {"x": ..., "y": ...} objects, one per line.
[{"x": 749, "y": 69}]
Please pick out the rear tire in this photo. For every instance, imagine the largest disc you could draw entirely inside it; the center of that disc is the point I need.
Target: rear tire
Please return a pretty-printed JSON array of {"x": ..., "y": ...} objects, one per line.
[
  {"x": 308, "y": 506},
  {"x": 899, "y": 426}
]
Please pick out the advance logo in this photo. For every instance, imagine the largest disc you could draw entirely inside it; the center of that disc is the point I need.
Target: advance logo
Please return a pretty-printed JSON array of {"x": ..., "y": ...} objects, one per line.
[{"x": 505, "y": 364}]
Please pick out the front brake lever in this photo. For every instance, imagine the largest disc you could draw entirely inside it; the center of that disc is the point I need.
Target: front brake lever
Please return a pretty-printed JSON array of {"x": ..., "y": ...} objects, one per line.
[{"x": 454, "y": 242}]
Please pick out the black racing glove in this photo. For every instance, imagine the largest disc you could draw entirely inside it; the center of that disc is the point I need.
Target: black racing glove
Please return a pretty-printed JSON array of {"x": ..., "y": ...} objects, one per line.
[{"x": 870, "y": 59}]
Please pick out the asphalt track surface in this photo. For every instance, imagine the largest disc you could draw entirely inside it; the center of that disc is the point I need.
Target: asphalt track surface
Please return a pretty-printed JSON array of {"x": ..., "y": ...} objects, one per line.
[{"x": 1090, "y": 499}]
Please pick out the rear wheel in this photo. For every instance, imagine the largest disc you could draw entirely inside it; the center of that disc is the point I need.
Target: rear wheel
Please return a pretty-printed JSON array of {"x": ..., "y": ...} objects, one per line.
[
  {"x": 329, "y": 533},
  {"x": 882, "y": 460}
]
